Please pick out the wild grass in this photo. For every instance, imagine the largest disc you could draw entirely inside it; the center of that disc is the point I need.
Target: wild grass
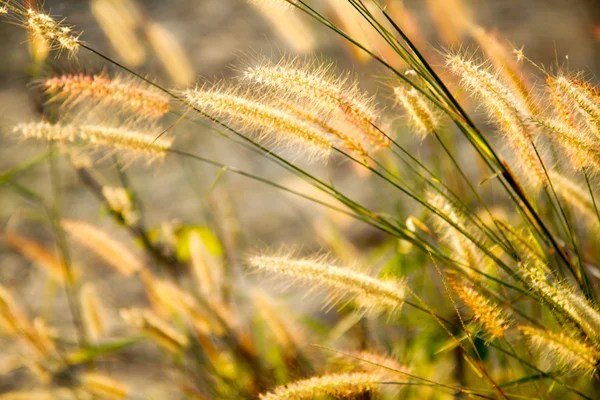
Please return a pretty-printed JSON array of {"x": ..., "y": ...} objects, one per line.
[{"x": 485, "y": 285}]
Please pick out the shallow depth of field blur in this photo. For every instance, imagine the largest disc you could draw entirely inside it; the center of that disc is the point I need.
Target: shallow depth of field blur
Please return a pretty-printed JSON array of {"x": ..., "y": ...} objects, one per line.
[{"x": 280, "y": 330}]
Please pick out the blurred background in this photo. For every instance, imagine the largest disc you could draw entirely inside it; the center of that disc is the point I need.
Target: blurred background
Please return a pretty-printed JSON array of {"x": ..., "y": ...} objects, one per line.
[{"x": 179, "y": 43}]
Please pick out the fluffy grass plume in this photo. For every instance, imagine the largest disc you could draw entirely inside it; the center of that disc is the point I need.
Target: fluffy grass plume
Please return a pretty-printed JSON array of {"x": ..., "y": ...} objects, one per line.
[
  {"x": 92, "y": 311},
  {"x": 275, "y": 126},
  {"x": 367, "y": 291},
  {"x": 129, "y": 142},
  {"x": 55, "y": 34},
  {"x": 567, "y": 351},
  {"x": 485, "y": 311},
  {"x": 129, "y": 95},
  {"x": 421, "y": 116},
  {"x": 114, "y": 253},
  {"x": 38, "y": 254},
  {"x": 156, "y": 328},
  {"x": 575, "y": 196},
  {"x": 337, "y": 386},
  {"x": 505, "y": 109},
  {"x": 329, "y": 92}
]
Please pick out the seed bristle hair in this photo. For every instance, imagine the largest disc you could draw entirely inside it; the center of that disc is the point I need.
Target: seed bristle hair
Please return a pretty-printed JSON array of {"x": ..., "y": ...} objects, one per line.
[
  {"x": 132, "y": 143},
  {"x": 274, "y": 126},
  {"x": 56, "y": 33},
  {"x": 419, "y": 112},
  {"x": 333, "y": 94},
  {"x": 127, "y": 94},
  {"x": 505, "y": 109},
  {"x": 339, "y": 386},
  {"x": 320, "y": 271},
  {"x": 566, "y": 351},
  {"x": 580, "y": 97},
  {"x": 485, "y": 311}
]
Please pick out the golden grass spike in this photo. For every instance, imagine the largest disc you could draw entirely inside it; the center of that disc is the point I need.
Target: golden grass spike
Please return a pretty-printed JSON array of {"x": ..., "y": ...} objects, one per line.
[
  {"x": 368, "y": 292},
  {"x": 584, "y": 99},
  {"x": 111, "y": 251},
  {"x": 14, "y": 322},
  {"x": 346, "y": 141},
  {"x": 582, "y": 148},
  {"x": 119, "y": 201},
  {"x": 497, "y": 52},
  {"x": 171, "y": 54},
  {"x": 119, "y": 20},
  {"x": 277, "y": 126},
  {"x": 38, "y": 254},
  {"x": 288, "y": 24},
  {"x": 485, "y": 311},
  {"x": 505, "y": 109},
  {"x": 128, "y": 94},
  {"x": 130, "y": 142},
  {"x": 56, "y": 33},
  {"x": 338, "y": 96},
  {"x": 574, "y": 195},
  {"x": 92, "y": 311},
  {"x": 568, "y": 352},
  {"x": 206, "y": 267},
  {"x": 334, "y": 385},
  {"x": 104, "y": 387},
  {"x": 421, "y": 116},
  {"x": 156, "y": 328}
]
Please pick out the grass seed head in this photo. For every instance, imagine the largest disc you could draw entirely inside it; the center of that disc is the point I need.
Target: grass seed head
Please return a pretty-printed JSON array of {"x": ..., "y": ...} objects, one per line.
[
  {"x": 276, "y": 126},
  {"x": 335, "y": 385},
  {"x": 368, "y": 292}
]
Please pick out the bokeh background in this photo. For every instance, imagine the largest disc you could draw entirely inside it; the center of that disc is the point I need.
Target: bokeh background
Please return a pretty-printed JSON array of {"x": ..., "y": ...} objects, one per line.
[{"x": 209, "y": 38}]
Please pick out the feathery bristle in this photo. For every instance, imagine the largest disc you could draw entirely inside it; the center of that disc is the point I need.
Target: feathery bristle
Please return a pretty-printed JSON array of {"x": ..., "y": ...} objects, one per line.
[
  {"x": 567, "y": 351},
  {"x": 581, "y": 147},
  {"x": 58, "y": 35},
  {"x": 156, "y": 328},
  {"x": 335, "y": 385},
  {"x": 485, "y": 311},
  {"x": 582, "y": 97},
  {"x": 329, "y": 94},
  {"x": 130, "y": 142},
  {"x": 382, "y": 295},
  {"x": 111, "y": 251},
  {"x": 369, "y": 361},
  {"x": 421, "y": 116},
  {"x": 277, "y": 126},
  {"x": 505, "y": 109},
  {"x": 38, "y": 254},
  {"x": 332, "y": 128},
  {"x": 127, "y": 94}
]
